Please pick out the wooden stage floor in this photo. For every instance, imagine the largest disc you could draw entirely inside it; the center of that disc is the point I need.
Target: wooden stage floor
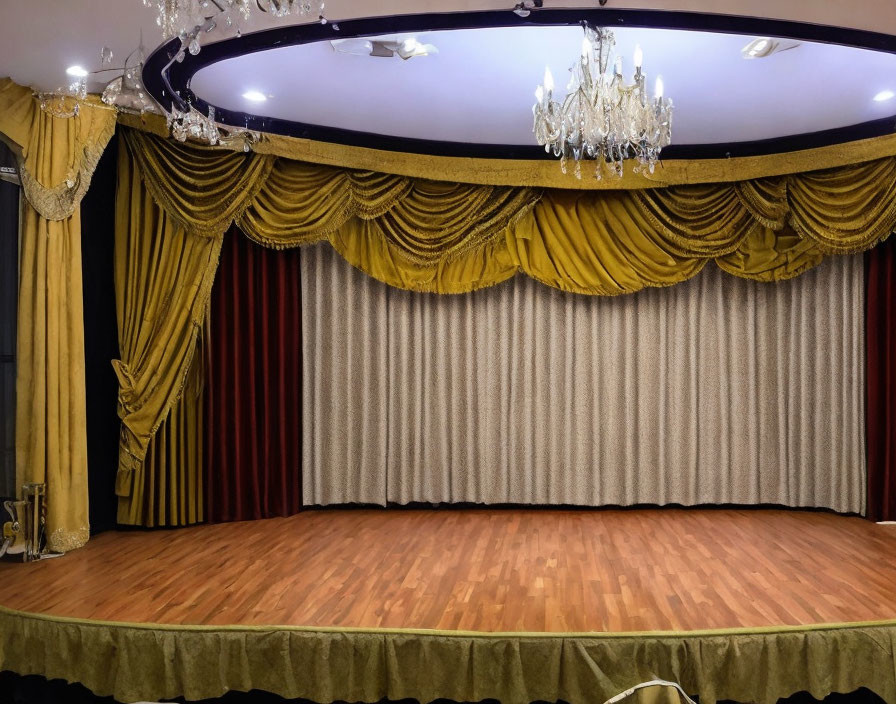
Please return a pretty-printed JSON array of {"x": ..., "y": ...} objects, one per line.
[{"x": 507, "y": 570}]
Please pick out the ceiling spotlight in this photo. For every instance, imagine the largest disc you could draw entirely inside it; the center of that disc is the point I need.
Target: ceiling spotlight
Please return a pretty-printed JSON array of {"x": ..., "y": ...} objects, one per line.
[
  {"x": 355, "y": 47},
  {"x": 410, "y": 48},
  {"x": 76, "y": 71},
  {"x": 883, "y": 96},
  {"x": 386, "y": 47},
  {"x": 255, "y": 96},
  {"x": 762, "y": 47},
  {"x": 523, "y": 8}
]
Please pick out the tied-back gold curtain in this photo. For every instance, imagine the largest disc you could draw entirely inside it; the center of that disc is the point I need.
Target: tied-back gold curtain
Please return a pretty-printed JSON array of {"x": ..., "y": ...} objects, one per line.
[
  {"x": 176, "y": 200},
  {"x": 168, "y": 489},
  {"x": 57, "y": 157},
  {"x": 163, "y": 278},
  {"x": 174, "y": 204}
]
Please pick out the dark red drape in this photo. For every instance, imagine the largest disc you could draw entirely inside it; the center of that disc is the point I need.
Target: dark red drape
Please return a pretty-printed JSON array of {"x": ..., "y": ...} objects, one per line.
[
  {"x": 253, "y": 392},
  {"x": 880, "y": 379}
]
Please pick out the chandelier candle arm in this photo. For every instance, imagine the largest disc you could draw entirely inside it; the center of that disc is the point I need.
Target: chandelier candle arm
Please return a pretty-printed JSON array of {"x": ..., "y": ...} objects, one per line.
[{"x": 603, "y": 118}]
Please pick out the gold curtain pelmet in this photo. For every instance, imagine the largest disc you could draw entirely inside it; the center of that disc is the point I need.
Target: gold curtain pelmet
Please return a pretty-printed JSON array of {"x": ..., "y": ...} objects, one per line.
[{"x": 176, "y": 201}]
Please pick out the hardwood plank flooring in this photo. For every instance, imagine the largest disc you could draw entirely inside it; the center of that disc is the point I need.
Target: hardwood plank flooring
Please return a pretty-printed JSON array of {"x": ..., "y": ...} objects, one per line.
[{"x": 480, "y": 569}]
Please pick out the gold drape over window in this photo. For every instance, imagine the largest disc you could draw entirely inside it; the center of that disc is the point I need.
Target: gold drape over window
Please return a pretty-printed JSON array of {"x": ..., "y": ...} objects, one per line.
[
  {"x": 176, "y": 200},
  {"x": 57, "y": 157}
]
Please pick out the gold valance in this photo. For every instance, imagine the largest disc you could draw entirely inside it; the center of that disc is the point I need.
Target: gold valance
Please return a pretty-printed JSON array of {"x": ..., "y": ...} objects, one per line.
[
  {"x": 545, "y": 173},
  {"x": 451, "y": 237},
  {"x": 57, "y": 156}
]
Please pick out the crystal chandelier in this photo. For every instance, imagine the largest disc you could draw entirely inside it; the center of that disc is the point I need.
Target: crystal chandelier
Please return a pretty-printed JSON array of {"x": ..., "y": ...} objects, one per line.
[
  {"x": 175, "y": 17},
  {"x": 602, "y": 117}
]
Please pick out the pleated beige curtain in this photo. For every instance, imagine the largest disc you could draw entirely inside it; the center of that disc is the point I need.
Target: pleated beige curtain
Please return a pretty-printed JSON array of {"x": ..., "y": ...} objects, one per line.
[{"x": 718, "y": 390}]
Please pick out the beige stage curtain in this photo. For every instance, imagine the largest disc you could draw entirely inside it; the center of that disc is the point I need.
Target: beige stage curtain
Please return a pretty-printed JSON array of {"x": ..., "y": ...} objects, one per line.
[
  {"x": 57, "y": 157},
  {"x": 442, "y": 237},
  {"x": 719, "y": 390}
]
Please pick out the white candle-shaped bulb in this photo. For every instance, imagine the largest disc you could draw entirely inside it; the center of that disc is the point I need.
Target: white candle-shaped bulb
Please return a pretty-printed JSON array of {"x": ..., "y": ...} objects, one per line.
[
  {"x": 618, "y": 65},
  {"x": 586, "y": 47},
  {"x": 658, "y": 91},
  {"x": 539, "y": 94},
  {"x": 639, "y": 57},
  {"x": 548, "y": 80}
]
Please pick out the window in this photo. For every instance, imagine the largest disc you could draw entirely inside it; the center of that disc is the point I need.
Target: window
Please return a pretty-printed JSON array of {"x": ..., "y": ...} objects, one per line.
[{"x": 9, "y": 286}]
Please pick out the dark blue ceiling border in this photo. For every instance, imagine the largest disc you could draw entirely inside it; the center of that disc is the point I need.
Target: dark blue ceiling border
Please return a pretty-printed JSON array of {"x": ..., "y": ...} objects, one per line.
[{"x": 179, "y": 76}]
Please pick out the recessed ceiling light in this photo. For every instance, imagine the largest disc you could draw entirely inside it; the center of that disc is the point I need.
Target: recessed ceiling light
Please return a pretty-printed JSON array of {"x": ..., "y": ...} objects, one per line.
[
  {"x": 385, "y": 47},
  {"x": 76, "y": 71},
  {"x": 763, "y": 46},
  {"x": 255, "y": 96},
  {"x": 884, "y": 95}
]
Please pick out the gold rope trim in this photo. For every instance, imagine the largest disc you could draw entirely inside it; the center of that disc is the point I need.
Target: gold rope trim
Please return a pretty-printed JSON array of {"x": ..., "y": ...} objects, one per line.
[
  {"x": 62, "y": 540},
  {"x": 749, "y": 200}
]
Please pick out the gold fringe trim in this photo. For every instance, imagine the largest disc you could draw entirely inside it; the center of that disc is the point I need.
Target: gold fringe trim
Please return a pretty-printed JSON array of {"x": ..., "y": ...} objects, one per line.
[
  {"x": 686, "y": 245},
  {"x": 63, "y": 540},
  {"x": 61, "y": 201},
  {"x": 778, "y": 219}
]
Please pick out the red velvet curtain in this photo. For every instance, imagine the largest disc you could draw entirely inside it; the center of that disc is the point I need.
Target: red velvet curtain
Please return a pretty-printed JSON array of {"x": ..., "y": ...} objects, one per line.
[
  {"x": 880, "y": 379},
  {"x": 253, "y": 393}
]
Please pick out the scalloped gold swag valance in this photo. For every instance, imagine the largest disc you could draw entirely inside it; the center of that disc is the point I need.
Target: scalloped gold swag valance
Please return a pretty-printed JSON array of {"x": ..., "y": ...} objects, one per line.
[
  {"x": 443, "y": 237},
  {"x": 449, "y": 237}
]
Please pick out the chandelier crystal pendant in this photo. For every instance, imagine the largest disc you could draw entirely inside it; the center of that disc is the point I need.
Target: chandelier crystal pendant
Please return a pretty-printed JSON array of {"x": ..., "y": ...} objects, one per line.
[
  {"x": 176, "y": 16},
  {"x": 602, "y": 117}
]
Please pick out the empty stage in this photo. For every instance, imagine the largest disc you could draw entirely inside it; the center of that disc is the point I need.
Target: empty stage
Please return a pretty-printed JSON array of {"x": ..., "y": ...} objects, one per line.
[{"x": 512, "y": 604}]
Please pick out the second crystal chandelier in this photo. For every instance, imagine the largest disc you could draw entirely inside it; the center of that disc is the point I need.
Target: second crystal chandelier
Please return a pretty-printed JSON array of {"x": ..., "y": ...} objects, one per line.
[{"x": 602, "y": 117}]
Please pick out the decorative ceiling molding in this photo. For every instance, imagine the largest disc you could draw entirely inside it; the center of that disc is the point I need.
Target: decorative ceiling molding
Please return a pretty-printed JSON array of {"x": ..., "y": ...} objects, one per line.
[{"x": 162, "y": 85}]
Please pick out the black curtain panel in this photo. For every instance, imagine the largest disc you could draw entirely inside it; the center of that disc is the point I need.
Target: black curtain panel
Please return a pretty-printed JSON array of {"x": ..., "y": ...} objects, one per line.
[
  {"x": 9, "y": 286},
  {"x": 880, "y": 379},
  {"x": 100, "y": 340}
]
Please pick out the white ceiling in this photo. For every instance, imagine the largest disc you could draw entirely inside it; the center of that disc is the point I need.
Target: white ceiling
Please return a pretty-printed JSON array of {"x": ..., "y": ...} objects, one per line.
[
  {"x": 479, "y": 87},
  {"x": 809, "y": 88},
  {"x": 39, "y": 38}
]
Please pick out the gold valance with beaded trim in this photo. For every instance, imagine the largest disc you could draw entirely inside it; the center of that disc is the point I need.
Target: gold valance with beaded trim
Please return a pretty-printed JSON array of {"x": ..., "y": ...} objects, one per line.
[
  {"x": 546, "y": 173},
  {"x": 446, "y": 237}
]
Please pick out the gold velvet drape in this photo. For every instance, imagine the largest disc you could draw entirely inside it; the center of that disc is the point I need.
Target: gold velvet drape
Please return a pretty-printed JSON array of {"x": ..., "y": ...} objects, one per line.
[
  {"x": 163, "y": 277},
  {"x": 439, "y": 236},
  {"x": 57, "y": 157},
  {"x": 167, "y": 490},
  {"x": 176, "y": 200}
]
